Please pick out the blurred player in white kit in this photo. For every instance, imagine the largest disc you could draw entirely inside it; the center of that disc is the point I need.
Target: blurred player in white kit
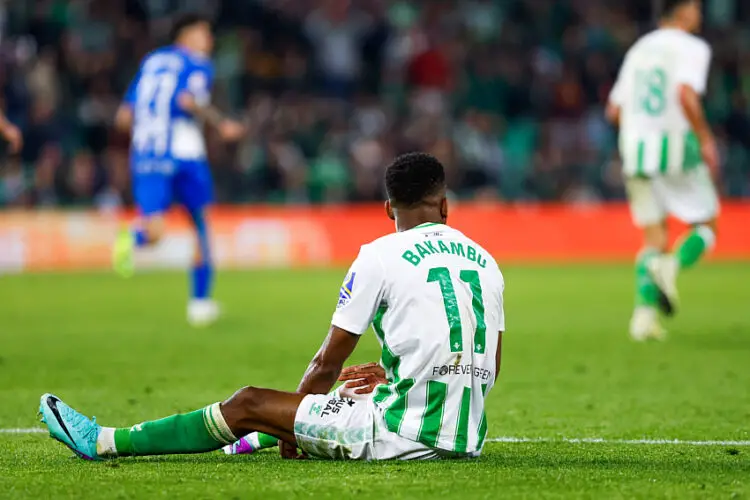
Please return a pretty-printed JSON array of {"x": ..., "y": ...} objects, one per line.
[{"x": 668, "y": 153}]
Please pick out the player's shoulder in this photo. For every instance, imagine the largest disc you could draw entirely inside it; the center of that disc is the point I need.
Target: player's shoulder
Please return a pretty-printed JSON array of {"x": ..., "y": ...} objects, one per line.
[
  {"x": 193, "y": 61},
  {"x": 699, "y": 44},
  {"x": 387, "y": 247},
  {"x": 381, "y": 244},
  {"x": 674, "y": 37},
  {"x": 689, "y": 40},
  {"x": 166, "y": 57}
]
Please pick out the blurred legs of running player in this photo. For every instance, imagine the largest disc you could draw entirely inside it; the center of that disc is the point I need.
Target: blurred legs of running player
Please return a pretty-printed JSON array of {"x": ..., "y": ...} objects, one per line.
[
  {"x": 190, "y": 184},
  {"x": 692, "y": 199}
]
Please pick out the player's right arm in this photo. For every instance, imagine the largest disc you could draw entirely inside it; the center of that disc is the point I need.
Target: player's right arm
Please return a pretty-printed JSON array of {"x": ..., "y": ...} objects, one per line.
[
  {"x": 124, "y": 118},
  {"x": 692, "y": 80},
  {"x": 196, "y": 100},
  {"x": 359, "y": 298},
  {"x": 325, "y": 367}
]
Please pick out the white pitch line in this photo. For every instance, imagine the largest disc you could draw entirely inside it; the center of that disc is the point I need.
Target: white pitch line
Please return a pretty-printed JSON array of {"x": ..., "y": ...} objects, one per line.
[
  {"x": 511, "y": 439},
  {"x": 652, "y": 442}
]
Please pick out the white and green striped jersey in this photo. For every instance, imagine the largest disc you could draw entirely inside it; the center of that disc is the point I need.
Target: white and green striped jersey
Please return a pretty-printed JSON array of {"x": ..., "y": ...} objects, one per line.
[
  {"x": 655, "y": 137},
  {"x": 435, "y": 300}
]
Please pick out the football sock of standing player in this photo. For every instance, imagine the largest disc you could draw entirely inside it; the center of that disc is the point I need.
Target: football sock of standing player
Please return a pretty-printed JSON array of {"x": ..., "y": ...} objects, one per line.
[
  {"x": 694, "y": 245},
  {"x": 202, "y": 272},
  {"x": 647, "y": 293}
]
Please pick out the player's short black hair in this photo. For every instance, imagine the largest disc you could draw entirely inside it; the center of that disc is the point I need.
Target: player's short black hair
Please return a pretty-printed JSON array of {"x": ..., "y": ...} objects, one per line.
[
  {"x": 185, "y": 21},
  {"x": 668, "y": 7},
  {"x": 412, "y": 178}
]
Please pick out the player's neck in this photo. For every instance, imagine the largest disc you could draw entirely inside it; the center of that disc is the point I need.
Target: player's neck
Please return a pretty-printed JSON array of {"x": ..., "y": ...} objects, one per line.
[
  {"x": 190, "y": 50},
  {"x": 406, "y": 220},
  {"x": 673, "y": 24}
]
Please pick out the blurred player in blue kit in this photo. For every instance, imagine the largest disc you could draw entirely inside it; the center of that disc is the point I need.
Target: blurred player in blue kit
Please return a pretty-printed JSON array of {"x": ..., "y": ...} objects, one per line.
[{"x": 164, "y": 109}]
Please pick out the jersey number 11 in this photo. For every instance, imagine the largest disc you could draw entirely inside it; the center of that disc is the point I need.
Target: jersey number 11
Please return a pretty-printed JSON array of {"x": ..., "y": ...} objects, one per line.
[{"x": 443, "y": 276}]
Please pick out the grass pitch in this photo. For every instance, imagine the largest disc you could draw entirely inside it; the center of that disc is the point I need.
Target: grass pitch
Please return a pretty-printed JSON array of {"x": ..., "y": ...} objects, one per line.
[{"x": 121, "y": 350}]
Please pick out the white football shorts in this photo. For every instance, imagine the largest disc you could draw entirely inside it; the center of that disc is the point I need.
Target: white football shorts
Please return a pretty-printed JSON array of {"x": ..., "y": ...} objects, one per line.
[
  {"x": 690, "y": 197},
  {"x": 331, "y": 427}
]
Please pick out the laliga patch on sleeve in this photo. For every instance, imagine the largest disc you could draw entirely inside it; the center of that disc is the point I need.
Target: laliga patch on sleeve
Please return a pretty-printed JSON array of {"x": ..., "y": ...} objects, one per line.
[{"x": 345, "y": 293}]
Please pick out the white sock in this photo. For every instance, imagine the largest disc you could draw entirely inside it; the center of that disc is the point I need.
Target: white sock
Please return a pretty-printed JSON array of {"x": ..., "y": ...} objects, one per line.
[
  {"x": 252, "y": 438},
  {"x": 105, "y": 443}
]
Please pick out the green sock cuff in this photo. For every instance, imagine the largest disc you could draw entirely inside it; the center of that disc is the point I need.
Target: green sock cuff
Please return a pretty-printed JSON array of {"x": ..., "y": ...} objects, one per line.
[
  {"x": 216, "y": 425},
  {"x": 267, "y": 441},
  {"x": 693, "y": 246},
  {"x": 123, "y": 443},
  {"x": 646, "y": 291}
]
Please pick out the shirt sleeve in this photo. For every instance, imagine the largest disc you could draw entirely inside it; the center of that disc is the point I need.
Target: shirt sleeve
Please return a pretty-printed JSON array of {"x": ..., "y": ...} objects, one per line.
[
  {"x": 361, "y": 293},
  {"x": 694, "y": 66},
  {"x": 198, "y": 83}
]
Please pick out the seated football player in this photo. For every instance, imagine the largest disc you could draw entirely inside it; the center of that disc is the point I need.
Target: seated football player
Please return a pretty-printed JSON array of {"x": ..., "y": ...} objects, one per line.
[{"x": 434, "y": 298}]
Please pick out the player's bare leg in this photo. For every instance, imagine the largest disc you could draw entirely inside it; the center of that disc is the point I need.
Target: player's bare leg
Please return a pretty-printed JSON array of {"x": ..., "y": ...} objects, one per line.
[
  {"x": 148, "y": 231},
  {"x": 262, "y": 410},
  {"x": 201, "y": 310},
  {"x": 360, "y": 381},
  {"x": 644, "y": 323},
  {"x": 249, "y": 409},
  {"x": 687, "y": 252}
]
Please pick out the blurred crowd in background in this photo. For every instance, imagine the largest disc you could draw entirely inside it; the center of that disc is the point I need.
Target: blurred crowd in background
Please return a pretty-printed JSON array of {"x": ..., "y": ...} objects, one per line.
[{"x": 507, "y": 93}]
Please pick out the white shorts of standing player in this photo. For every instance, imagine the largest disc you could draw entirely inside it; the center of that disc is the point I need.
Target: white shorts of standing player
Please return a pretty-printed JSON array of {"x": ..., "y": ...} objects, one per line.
[{"x": 690, "y": 197}]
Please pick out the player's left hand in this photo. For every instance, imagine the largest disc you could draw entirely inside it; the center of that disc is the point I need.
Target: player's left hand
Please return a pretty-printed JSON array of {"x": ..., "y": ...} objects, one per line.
[
  {"x": 363, "y": 379},
  {"x": 290, "y": 451}
]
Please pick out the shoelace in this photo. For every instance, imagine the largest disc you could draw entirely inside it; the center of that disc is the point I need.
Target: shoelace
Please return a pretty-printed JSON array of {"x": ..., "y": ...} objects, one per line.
[{"x": 82, "y": 425}]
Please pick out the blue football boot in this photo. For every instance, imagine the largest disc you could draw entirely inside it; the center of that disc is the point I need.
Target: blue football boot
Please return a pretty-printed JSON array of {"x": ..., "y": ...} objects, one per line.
[{"x": 72, "y": 429}]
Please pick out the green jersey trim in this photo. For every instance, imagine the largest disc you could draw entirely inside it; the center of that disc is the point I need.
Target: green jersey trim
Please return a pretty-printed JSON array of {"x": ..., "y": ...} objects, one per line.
[
  {"x": 664, "y": 155},
  {"x": 394, "y": 415},
  {"x": 640, "y": 168},
  {"x": 432, "y": 420},
  {"x": 388, "y": 359},
  {"x": 482, "y": 423},
  {"x": 462, "y": 426},
  {"x": 428, "y": 224},
  {"x": 692, "y": 155},
  {"x": 659, "y": 155}
]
